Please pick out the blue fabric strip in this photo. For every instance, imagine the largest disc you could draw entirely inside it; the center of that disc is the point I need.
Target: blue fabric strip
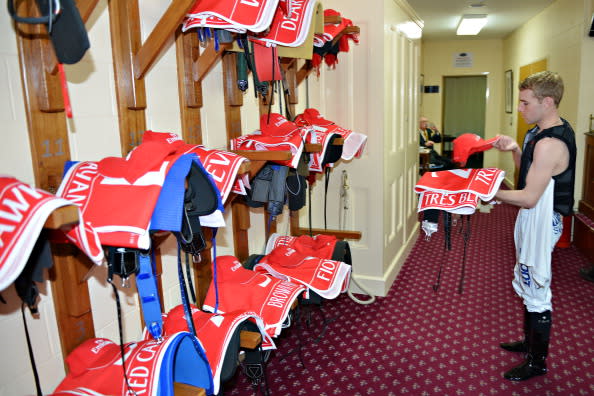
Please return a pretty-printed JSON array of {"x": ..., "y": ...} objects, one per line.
[
  {"x": 149, "y": 296},
  {"x": 167, "y": 215}
]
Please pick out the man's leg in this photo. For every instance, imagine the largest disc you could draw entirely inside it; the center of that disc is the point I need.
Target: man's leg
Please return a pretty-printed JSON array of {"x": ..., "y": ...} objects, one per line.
[
  {"x": 538, "y": 348},
  {"x": 537, "y": 300},
  {"x": 522, "y": 345}
]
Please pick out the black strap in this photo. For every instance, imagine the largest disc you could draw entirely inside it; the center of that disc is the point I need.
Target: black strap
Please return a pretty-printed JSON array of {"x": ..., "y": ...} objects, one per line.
[
  {"x": 48, "y": 19},
  {"x": 299, "y": 347},
  {"x": 272, "y": 87},
  {"x": 325, "y": 323},
  {"x": 466, "y": 236},
  {"x": 254, "y": 367},
  {"x": 242, "y": 71},
  {"x": 184, "y": 294},
  {"x": 121, "y": 332},
  {"x": 286, "y": 95},
  {"x": 31, "y": 355},
  {"x": 189, "y": 276},
  {"x": 307, "y": 92},
  {"x": 446, "y": 243},
  {"x": 280, "y": 97},
  {"x": 326, "y": 183},
  {"x": 309, "y": 211}
]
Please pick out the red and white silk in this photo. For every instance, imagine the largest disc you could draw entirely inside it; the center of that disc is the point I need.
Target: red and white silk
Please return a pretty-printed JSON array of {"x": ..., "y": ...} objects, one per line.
[
  {"x": 24, "y": 210},
  {"x": 354, "y": 142},
  {"x": 458, "y": 190}
]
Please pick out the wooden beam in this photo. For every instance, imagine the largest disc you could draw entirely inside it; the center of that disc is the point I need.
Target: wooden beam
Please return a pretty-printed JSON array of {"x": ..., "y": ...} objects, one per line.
[
  {"x": 244, "y": 168},
  {"x": 346, "y": 30},
  {"x": 48, "y": 139},
  {"x": 233, "y": 102},
  {"x": 249, "y": 339},
  {"x": 71, "y": 296},
  {"x": 37, "y": 52},
  {"x": 304, "y": 71},
  {"x": 254, "y": 155},
  {"x": 189, "y": 90},
  {"x": 125, "y": 37},
  {"x": 181, "y": 389},
  {"x": 333, "y": 19},
  {"x": 209, "y": 58},
  {"x": 62, "y": 217},
  {"x": 163, "y": 31},
  {"x": 313, "y": 147},
  {"x": 130, "y": 92},
  {"x": 340, "y": 234},
  {"x": 290, "y": 70},
  {"x": 241, "y": 226}
]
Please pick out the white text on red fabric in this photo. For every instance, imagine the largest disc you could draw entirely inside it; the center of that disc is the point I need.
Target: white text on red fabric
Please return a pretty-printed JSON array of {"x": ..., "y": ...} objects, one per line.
[
  {"x": 14, "y": 210},
  {"x": 280, "y": 295},
  {"x": 81, "y": 181},
  {"x": 326, "y": 268}
]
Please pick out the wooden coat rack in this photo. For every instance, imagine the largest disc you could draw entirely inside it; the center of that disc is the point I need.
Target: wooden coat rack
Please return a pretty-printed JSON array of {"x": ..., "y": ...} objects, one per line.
[{"x": 44, "y": 107}]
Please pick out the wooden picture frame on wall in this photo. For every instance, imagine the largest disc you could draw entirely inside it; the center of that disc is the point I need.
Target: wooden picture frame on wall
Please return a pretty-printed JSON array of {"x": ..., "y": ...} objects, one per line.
[{"x": 509, "y": 91}]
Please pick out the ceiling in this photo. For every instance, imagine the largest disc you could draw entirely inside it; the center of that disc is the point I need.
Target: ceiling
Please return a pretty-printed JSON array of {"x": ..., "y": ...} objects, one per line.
[{"x": 441, "y": 17}]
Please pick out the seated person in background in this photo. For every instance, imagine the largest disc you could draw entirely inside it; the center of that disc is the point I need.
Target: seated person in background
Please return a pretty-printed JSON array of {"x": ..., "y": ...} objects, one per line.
[
  {"x": 428, "y": 133},
  {"x": 428, "y": 136}
]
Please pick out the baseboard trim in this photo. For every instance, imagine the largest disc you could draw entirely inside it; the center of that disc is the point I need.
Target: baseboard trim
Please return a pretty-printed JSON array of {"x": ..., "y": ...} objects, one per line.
[{"x": 380, "y": 285}]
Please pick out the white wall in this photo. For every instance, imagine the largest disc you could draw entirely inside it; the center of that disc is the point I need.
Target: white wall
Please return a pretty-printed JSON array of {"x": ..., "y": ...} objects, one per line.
[
  {"x": 352, "y": 95},
  {"x": 487, "y": 60},
  {"x": 94, "y": 134},
  {"x": 558, "y": 34}
]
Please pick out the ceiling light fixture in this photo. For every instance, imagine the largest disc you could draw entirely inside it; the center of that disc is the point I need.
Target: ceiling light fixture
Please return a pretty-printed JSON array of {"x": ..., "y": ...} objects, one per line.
[
  {"x": 471, "y": 24},
  {"x": 410, "y": 30}
]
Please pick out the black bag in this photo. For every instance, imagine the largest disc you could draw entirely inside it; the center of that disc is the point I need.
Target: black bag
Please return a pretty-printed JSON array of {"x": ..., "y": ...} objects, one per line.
[
  {"x": 437, "y": 162},
  {"x": 200, "y": 199}
]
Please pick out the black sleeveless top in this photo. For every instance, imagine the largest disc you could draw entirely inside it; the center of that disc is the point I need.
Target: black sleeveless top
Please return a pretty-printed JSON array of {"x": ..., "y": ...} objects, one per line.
[{"x": 565, "y": 181}]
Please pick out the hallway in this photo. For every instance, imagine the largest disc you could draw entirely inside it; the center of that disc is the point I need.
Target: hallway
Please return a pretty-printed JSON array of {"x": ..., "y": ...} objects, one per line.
[{"x": 419, "y": 342}]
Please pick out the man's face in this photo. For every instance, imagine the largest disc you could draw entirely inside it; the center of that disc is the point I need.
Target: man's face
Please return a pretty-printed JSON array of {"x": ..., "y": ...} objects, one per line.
[
  {"x": 531, "y": 108},
  {"x": 423, "y": 123}
]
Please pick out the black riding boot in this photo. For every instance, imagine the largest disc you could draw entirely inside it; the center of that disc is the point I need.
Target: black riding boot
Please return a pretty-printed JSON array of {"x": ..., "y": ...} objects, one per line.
[
  {"x": 538, "y": 348},
  {"x": 519, "y": 346}
]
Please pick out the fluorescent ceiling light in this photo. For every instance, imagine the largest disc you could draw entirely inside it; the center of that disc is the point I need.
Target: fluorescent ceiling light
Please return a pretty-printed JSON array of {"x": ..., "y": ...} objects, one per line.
[{"x": 471, "y": 24}]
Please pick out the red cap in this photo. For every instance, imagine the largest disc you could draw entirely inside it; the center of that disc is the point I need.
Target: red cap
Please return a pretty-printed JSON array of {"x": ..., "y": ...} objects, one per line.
[
  {"x": 92, "y": 353},
  {"x": 276, "y": 125},
  {"x": 467, "y": 144},
  {"x": 312, "y": 116}
]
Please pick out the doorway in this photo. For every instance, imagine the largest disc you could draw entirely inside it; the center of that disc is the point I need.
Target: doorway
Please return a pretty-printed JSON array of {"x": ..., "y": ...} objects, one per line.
[{"x": 464, "y": 106}]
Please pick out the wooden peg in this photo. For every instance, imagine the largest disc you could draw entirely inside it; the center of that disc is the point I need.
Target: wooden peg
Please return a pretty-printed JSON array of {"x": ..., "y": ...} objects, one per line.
[{"x": 62, "y": 217}]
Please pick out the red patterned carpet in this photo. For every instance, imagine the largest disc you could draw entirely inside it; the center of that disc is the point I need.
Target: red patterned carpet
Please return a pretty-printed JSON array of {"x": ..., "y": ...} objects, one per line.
[{"x": 419, "y": 342}]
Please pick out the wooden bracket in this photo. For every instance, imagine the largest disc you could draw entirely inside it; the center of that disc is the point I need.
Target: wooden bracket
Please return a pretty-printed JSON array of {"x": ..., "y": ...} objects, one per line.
[
  {"x": 333, "y": 19},
  {"x": 249, "y": 339},
  {"x": 254, "y": 155},
  {"x": 210, "y": 57},
  {"x": 303, "y": 72},
  {"x": 346, "y": 30},
  {"x": 233, "y": 102},
  {"x": 340, "y": 234},
  {"x": 131, "y": 97},
  {"x": 163, "y": 32},
  {"x": 189, "y": 89},
  {"x": 48, "y": 136},
  {"x": 64, "y": 216}
]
